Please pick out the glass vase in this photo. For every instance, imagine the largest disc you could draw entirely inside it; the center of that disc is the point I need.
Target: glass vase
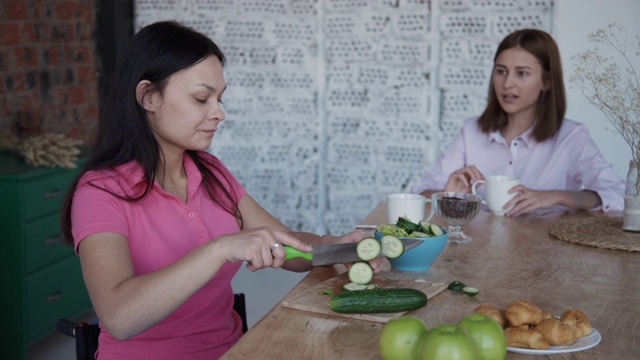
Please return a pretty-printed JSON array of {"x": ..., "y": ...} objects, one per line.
[{"x": 631, "y": 219}]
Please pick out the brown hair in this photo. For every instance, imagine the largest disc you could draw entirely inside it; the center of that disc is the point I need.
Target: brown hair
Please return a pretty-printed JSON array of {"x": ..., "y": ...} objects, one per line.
[{"x": 552, "y": 103}]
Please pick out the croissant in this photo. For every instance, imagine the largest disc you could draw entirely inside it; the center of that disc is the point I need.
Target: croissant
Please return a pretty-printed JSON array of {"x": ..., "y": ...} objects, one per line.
[
  {"x": 555, "y": 332},
  {"x": 525, "y": 338},
  {"x": 522, "y": 312},
  {"x": 546, "y": 315},
  {"x": 492, "y": 311},
  {"x": 578, "y": 320}
]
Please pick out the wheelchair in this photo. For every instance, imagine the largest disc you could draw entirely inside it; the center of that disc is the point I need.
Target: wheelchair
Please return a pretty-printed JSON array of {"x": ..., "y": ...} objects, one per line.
[{"x": 86, "y": 334}]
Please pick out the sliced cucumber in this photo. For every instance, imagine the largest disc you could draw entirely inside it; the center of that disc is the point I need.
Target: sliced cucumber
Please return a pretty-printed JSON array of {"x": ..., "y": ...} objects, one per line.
[
  {"x": 368, "y": 249},
  {"x": 419, "y": 234},
  {"x": 360, "y": 273},
  {"x": 406, "y": 224},
  {"x": 392, "y": 247},
  {"x": 424, "y": 226},
  {"x": 436, "y": 230},
  {"x": 456, "y": 285},
  {"x": 470, "y": 291},
  {"x": 351, "y": 286}
]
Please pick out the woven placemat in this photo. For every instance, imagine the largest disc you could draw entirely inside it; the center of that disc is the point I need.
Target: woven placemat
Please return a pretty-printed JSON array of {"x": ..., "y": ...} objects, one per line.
[{"x": 601, "y": 232}]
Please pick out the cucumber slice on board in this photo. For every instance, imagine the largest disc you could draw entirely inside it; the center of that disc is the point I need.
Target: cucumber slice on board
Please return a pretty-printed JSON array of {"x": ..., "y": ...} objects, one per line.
[
  {"x": 360, "y": 273},
  {"x": 368, "y": 249},
  {"x": 351, "y": 286}
]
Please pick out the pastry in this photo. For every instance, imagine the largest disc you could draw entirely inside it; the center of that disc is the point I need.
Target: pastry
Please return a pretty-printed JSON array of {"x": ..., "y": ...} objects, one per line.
[
  {"x": 494, "y": 312},
  {"x": 555, "y": 332},
  {"x": 527, "y": 326},
  {"x": 522, "y": 312},
  {"x": 525, "y": 338},
  {"x": 577, "y": 319}
]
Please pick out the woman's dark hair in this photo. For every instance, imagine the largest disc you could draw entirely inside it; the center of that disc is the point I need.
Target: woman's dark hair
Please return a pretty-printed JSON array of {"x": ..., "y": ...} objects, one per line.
[
  {"x": 552, "y": 103},
  {"x": 155, "y": 53}
]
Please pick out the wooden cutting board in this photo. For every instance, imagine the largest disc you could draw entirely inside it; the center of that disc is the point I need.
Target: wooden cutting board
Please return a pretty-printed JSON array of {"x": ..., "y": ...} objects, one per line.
[{"x": 313, "y": 301}]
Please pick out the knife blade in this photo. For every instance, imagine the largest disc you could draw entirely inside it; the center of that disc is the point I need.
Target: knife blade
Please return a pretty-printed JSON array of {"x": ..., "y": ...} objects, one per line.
[{"x": 338, "y": 253}]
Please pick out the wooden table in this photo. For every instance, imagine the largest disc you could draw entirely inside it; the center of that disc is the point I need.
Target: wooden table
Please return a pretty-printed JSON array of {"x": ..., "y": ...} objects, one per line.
[{"x": 508, "y": 259}]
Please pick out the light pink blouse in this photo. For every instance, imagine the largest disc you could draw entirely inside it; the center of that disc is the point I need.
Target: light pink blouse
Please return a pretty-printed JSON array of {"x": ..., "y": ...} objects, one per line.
[{"x": 569, "y": 161}]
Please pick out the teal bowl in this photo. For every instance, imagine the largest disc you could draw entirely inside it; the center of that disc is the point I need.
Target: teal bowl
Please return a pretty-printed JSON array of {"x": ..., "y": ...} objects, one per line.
[{"x": 420, "y": 257}]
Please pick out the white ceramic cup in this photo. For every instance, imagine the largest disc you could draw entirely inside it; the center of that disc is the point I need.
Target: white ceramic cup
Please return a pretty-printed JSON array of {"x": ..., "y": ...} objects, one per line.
[
  {"x": 409, "y": 205},
  {"x": 497, "y": 191}
]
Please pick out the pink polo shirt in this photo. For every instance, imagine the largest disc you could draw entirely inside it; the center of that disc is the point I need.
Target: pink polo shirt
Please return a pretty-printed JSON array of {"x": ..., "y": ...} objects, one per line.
[
  {"x": 162, "y": 229},
  {"x": 569, "y": 161}
]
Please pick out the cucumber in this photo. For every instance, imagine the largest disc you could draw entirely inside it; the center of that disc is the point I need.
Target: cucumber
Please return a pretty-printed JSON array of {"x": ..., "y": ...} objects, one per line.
[
  {"x": 407, "y": 225},
  {"x": 435, "y": 230},
  {"x": 368, "y": 249},
  {"x": 456, "y": 285},
  {"x": 419, "y": 234},
  {"x": 392, "y": 247},
  {"x": 470, "y": 291},
  {"x": 357, "y": 287},
  {"x": 351, "y": 286},
  {"x": 378, "y": 301},
  {"x": 424, "y": 226},
  {"x": 360, "y": 273}
]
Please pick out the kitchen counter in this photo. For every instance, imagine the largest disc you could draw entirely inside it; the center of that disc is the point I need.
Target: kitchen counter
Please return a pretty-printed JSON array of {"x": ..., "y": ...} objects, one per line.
[{"x": 508, "y": 259}]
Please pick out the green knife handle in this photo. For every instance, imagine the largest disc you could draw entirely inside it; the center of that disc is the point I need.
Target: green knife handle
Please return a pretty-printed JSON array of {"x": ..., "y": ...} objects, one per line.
[{"x": 294, "y": 253}]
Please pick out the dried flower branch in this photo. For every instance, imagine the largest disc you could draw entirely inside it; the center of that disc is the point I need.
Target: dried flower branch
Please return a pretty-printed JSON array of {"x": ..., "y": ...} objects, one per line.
[
  {"x": 612, "y": 88},
  {"x": 51, "y": 150}
]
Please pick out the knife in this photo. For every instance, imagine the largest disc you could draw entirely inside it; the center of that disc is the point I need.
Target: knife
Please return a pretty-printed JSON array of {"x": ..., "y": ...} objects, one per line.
[{"x": 337, "y": 253}]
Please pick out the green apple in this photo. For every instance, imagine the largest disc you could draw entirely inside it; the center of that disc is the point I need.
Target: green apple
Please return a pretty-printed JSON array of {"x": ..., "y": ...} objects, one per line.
[
  {"x": 487, "y": 334},
  {"x": 400, "y": 337},
  {"x": 447, "y": 342}
]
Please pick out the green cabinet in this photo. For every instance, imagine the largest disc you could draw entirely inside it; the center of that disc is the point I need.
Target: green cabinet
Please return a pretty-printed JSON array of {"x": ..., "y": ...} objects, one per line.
[{"x": 41, "y": 276}]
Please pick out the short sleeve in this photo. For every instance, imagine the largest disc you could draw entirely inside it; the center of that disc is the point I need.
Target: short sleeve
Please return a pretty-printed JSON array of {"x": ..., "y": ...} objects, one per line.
[{"x": 95, "y": 210}]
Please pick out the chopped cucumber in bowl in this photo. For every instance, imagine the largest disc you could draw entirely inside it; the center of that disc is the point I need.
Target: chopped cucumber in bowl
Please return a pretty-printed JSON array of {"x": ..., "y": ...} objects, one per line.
[
  {"x": 423, "y": 230},
  {"x": 422, "y": 256}
]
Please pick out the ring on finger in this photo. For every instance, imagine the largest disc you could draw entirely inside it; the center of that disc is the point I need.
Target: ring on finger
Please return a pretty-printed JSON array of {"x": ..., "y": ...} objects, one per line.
[{"x": 275, "y": 246}]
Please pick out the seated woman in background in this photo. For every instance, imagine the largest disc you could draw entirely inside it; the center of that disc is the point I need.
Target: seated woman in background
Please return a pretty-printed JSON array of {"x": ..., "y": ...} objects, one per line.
[
  {"x": 523, "y": 133},
  {"x": 160, "y": 225}
]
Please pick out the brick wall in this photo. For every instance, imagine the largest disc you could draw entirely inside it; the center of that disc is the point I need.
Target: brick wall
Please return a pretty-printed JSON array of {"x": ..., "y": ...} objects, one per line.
[{"x": 48, "y": 67}]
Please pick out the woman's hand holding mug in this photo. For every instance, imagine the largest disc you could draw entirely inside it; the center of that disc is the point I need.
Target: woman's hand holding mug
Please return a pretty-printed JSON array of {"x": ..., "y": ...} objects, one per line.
[{"x": 497, "y": 192}]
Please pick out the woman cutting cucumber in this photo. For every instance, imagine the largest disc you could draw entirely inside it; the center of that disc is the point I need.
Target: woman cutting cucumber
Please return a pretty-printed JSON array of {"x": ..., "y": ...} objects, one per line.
[
  {"x": 160, "y": 225},
  {"x": 523, "y": 133}
]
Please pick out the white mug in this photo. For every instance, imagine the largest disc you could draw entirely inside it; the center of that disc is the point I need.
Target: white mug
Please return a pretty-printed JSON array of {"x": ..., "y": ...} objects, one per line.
[
  {"x": 497, "y": 191},
  {"x": 408, "y": 205}
]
